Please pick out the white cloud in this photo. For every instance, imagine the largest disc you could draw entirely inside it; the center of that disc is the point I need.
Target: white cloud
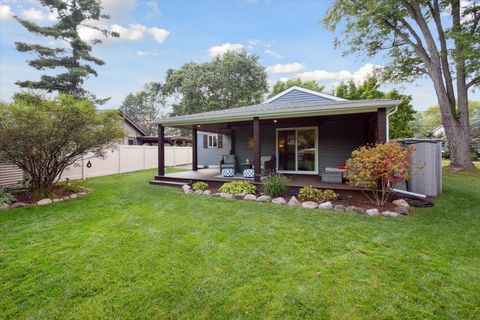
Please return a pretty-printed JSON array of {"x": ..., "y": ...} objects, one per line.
[
  {"x": 118, "y": 9},
  {"x": 343, "y": 75},
  {"x": 221, "y": 49},
  {"x": 38, "y": 15},
  {"x": 133, "y": 32},
  {"x": 272, "y": 53},
  {"x": 286, "y": 68},
  {"x": 158, "y": 34},
  {"x": 5, "y": 12},
  {"x": 146, "y": 53}
]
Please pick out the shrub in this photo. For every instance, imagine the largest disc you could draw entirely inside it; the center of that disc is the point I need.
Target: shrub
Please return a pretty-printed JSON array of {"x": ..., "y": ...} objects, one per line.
[
  {"x": 329, "y": 195},
  {"x": 239, "y": 186},
  {"x": 6, "y": 197},
  {"x": 274, "y": 184},
  {"x": 200, "y": 186},
  {"x": 310, "y": 194},
  {"x": 379, "y": 168}
]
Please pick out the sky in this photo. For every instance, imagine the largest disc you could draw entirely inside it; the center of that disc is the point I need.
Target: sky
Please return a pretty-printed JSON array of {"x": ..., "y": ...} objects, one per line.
[{"x": 159, "y": 35}]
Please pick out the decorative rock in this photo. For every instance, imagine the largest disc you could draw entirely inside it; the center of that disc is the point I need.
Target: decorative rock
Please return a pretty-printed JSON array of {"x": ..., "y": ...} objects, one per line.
[
  {"x": 18, "y": 205},
  {"x": 239, "y": 196},
  {"x": 339, "y": 207},
  {"x": 4, "y": 206},
  {"x": 310, "y": 204},
  {"x": 207, "y": 192},
  {"x": 81, "y": 194},
  {"x": 200, "y": 192},
  {"x": 57, "y": 200},
  {"x": 66, "y": 198},
  {"x": 294, "y": 202},
  {"x": 355, "y": 209},
  {"x": 250, "y": 197},
  {"x": 73, "y": 196},
  {"x": 326, "y": 206},
  {"x": 186, "y": 188},
  {"x": 44, "y": 202},
  {"x": 216, "y": 194},
  {"x": 402, "y": 210},
  {"x": 401, "y": 203},
  {"x": 372, "y": 212},
  {"x": 226, "y": 195},
  {"x": 264, "y": 198},
  {"x": 389, "y": 214},
  {"x": 279, "y": 200}
]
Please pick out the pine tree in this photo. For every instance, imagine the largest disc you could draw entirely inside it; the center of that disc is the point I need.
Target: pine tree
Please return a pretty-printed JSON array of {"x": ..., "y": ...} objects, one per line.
[{"x": 76, "y": 58}]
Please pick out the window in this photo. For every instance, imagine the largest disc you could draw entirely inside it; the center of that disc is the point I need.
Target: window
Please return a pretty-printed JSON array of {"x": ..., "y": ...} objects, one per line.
[
  {"x": 297, "y": 150},
  {"x": 212, "y": 141},
  {"x": 131, "y": 141}
]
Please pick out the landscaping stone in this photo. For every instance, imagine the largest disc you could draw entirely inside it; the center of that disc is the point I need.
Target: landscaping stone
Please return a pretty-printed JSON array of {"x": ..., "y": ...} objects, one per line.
[
  {"x": 73, "y": 196},
  {"x": 18, "y": 205},
  {"x": 200, "y": 192},
  {"x": 216, "y": 194},
  {"x": 279, "y": 200},
  {"x": 57, "y": 200},
  {"x": 326, "y": 205},
  {"x": 4, "y": 206},
  {"x": 310, "y": 204},
  {"x": 66, "y": 198},
  {"x": 250, "y": 197},
  {"x": 186, "y": 188},
  {"x": 264, "y": 198},
  {"x": 402, "y": 210},
  {"x": 226, "y": 195},
  {"x": 389, "y": 214},
  {"x": 355, "y": 209},
  {"x": 44, "y": 202},
  {"x": 207, "y": 192},
  {"x": 294, "y": 202},
  {"x": 401, "y": 203},
  {"x": 81, "y": 194},
  {"x": 339, "y": 207},
  {"x": 372, "y": 212},
  {"x": 239, "y": 196}
]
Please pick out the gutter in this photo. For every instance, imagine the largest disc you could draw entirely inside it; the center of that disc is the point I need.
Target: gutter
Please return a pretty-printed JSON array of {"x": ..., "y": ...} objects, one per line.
[{"x": 395, "y": 109}]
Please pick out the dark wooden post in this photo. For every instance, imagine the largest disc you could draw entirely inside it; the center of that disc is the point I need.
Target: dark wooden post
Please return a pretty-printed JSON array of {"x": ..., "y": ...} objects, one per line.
[
  {"x": 161, "y": 150},
  {"x": 256, "y": 151},
  {"x": 194, "y": 150},
  {"x": 232, "y": 141},
  {"x": 381, "y": 125}
]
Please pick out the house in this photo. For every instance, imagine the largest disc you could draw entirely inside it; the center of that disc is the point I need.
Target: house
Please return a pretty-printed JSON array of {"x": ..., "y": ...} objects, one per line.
[{"x": 302, "y": 132}]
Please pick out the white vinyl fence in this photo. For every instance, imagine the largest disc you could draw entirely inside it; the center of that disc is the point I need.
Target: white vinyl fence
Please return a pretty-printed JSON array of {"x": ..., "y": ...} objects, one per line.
[{"x": 126, "y": 159}]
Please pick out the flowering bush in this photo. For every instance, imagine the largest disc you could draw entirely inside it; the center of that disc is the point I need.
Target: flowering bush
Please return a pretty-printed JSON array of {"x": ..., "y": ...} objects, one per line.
[{"x": 380, "y": 168}]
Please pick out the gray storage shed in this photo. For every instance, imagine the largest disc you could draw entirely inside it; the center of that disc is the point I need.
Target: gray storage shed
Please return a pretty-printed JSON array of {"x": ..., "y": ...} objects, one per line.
[{"x": 427, "y": 166}]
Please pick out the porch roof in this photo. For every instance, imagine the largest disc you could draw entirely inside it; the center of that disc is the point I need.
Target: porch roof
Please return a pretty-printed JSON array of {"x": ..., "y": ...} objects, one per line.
[{"x": 281, "y": 110}]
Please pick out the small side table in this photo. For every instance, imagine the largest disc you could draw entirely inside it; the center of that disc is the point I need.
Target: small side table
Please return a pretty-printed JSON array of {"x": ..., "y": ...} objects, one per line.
[{"x": 246, "y": 166}]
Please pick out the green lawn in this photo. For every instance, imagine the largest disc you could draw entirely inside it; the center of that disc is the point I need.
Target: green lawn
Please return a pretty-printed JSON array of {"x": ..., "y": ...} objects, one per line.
[{"x": 130, "y": 250}]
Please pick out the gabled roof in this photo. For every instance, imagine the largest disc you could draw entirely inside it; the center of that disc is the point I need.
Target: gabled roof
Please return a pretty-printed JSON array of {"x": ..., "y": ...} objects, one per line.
[
  {"x": 132, "y": 123},
  {"x": 274, "y": 110},
  {"x": 301, "y": 94}
]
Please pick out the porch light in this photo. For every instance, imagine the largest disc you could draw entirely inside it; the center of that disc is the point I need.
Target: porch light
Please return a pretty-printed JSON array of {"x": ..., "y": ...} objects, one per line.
[
  {"x": 198, "y": 126},
  {"x": 275, "y": 121}
]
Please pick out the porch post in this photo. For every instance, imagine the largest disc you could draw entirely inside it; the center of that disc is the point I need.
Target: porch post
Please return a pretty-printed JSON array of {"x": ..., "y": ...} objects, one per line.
[
  {"x": 256, "y": 151},
  {"x": 381, "y": 125},
  {"x": 194, "y": 149},
  {"x": 161, "y": 150}
]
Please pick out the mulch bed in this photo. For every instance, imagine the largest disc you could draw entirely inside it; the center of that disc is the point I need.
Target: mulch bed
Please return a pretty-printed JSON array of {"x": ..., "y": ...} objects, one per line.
[{"x": 25, "y": 196}]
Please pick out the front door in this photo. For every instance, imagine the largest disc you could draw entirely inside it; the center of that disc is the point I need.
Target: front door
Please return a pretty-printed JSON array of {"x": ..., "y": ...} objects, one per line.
[{"x": 297, "y": 150}]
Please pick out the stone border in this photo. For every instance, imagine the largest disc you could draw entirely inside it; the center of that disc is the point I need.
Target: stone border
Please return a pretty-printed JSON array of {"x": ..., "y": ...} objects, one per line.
[
  {"x": 47, "y": 201},
  {"x": 402, "y": 206}
]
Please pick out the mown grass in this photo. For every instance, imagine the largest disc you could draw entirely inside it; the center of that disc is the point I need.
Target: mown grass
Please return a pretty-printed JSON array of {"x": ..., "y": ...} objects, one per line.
[{"x": 130, "y": 250}]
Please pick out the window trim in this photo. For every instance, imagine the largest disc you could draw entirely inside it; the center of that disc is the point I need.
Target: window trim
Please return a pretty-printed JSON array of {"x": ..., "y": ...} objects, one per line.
[
  {"x": 315, "y": 172},
  {"x": 214, "y": 137}
]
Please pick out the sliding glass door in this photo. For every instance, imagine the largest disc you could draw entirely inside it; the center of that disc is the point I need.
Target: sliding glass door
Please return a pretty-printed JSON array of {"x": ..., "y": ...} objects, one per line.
[{"x": 297, "y": 150}]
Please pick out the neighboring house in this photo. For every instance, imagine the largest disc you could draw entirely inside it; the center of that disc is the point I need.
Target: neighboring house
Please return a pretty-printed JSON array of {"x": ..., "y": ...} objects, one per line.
[
  {"x": 133, "y": 130},
  {"x": 10, "y": 175},
  {"x": 303, "y": 131},
  {"x": 438, "y": 131}
]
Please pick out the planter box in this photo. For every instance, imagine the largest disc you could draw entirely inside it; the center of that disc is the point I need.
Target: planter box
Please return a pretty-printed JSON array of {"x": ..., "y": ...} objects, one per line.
[{"x": 332, "y": 177}]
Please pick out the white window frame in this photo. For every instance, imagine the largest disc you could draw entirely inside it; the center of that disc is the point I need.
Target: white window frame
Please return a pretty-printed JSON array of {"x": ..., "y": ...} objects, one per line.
[
  {"x": 210, "y": 142},
  {"x": 296, "y": 171}
]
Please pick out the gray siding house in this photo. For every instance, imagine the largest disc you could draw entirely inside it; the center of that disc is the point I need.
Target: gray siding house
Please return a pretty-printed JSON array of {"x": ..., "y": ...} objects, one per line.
[{"x": 304, "y": 132}]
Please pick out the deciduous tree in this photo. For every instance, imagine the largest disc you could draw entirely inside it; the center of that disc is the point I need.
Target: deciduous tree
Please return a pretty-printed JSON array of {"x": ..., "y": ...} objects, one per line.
[{"x": 434, "y": 38}]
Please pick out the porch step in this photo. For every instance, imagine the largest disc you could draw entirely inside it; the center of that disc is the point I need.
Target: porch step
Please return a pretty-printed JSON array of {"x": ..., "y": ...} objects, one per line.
[{"x": 167, "y": 183}]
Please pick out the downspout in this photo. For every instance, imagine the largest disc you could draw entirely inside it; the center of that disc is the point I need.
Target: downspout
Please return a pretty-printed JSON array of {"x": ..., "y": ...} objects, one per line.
[{"x": 388, "y": 121}]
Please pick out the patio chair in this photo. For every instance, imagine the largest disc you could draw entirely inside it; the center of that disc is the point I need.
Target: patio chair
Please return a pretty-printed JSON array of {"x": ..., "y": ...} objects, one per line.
[{"x": 228, "y": 162}]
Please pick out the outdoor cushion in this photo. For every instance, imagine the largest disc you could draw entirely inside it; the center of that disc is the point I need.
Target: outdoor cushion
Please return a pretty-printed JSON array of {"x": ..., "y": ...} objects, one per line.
[
  {"x": 248, "y": 173},
  {"x": 228, "y": 172},
  {"x": 229, "y": 159}
]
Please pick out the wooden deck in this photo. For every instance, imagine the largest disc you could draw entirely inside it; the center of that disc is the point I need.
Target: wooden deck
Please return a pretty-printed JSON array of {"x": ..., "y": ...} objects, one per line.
[{"x": 211, "y": 176}]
